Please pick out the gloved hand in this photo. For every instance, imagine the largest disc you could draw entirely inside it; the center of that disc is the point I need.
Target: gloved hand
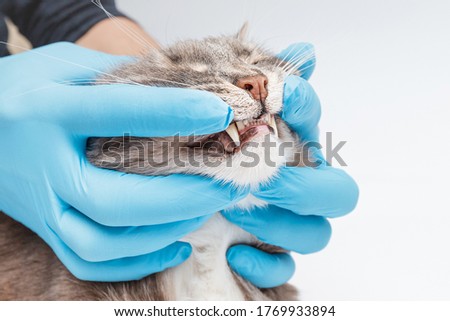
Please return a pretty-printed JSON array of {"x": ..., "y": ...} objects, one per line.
[
  {"x": 103, "y": 225},
  {"x": 301, "y": 198}
]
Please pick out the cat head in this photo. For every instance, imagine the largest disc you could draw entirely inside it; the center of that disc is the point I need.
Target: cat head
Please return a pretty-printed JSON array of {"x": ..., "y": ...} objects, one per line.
[
  {"x": 247, "y": 77},
  {"x": 243, "y": 74}
]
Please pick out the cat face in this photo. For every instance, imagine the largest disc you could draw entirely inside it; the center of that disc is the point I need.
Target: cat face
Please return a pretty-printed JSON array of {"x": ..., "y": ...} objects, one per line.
[
  {"x": 246, "y": 77},
  {"x": 222, "y": 65}
]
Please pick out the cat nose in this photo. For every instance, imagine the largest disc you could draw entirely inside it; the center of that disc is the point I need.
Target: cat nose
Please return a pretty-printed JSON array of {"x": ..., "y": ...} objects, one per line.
[{"x": 256, "y": 85}]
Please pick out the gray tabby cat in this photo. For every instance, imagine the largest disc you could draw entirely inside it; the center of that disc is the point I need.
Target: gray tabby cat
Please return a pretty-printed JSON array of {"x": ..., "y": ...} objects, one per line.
[{"x": 251, "y": 81}]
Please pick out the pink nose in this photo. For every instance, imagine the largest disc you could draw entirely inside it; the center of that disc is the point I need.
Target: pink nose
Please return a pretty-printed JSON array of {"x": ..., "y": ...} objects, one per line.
[{"x": 256, "y": 85}]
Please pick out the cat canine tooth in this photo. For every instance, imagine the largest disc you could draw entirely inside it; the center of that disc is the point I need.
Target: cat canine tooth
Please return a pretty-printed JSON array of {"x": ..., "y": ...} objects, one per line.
[
  {"x": 240, "y": 125},
  {"x": 273, "y": 124},
  {"x": 233, "y": 133}
]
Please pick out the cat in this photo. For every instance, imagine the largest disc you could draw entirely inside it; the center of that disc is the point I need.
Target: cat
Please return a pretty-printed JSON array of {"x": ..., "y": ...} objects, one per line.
[{"x": 251, "y": 81}]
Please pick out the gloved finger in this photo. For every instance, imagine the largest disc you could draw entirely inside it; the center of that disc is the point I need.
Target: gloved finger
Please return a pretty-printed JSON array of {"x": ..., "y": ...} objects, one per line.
[
  {"x": 125, "y": 269},
  {"x": 115, "y": 110},
  {"x": 301, "y": 109},
  {"x": 263, "y": 269},
  {"x": 324, "y": 191},
  {"x": 66, "y": 61},
  {"x": 113, "y": 198},
  {"x": 280, "y": 227},
  {"x": 95, "y": 243},
  {"x": 301, "y": 57}
]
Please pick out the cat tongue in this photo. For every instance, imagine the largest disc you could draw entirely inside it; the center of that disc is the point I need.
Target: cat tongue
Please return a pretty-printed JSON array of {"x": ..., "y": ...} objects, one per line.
[{"x": 252, "y": 132}]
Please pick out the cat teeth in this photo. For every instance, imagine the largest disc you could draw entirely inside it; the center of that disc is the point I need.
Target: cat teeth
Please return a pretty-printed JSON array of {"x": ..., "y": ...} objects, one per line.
[
  {"x": 240, "y": 125},
  {"x": 266, "y": 119},
  {"x": 232, "y": 131},
  {"x": 273, "y": 124}
]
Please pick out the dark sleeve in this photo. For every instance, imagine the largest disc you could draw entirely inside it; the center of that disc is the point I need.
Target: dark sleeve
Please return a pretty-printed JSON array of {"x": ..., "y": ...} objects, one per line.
[
  {"x": 48, "y": 21},
  {"x": 3, "y": 36}
]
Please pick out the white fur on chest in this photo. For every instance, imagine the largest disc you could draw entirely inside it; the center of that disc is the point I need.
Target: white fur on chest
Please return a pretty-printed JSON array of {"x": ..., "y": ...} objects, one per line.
[{"x": 206, "y": 274}]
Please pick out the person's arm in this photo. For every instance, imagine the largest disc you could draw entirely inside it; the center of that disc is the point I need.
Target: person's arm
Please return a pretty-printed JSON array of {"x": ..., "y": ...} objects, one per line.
[
  {"x": 121, "y": 36},
  {"x": 103, "y": 225},
  {"x": 44, "y": 22}
]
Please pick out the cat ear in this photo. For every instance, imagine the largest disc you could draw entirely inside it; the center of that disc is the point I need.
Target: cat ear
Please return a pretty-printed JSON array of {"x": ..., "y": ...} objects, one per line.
[{"x": 243, "y": 32}]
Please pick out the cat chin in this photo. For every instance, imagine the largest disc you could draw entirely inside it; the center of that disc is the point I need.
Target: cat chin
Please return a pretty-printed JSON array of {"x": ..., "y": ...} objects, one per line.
[{"x": 255, "y": 164}]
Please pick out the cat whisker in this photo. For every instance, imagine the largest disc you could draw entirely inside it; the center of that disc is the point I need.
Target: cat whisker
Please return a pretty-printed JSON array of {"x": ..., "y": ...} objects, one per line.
[
  {"x": 116, "y": 78},
  {"x": 292, "y": 70},
  {"x": 128, "y": 31},
  {"x": 70, "y": 63},
  {"x": 70, "y": 82},
  {"x": 32, "y": 91},
  {"x": 94, "y": 82},
  {"x": 303, "y": 59},
  {"x": 300, "y": 58},
  {"x": 295, "y": 56},
  {"x": 298, "y": 62},
  {"x": 282, "y": 60},
  {"x": 180, "y": 84},
  {"x": 307, "y": 67}
]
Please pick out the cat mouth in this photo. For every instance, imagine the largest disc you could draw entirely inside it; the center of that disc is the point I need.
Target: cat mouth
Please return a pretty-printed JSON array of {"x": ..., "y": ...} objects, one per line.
[
  {"x": 238, "y": 133},
  {"x": 243, "y": 131}
]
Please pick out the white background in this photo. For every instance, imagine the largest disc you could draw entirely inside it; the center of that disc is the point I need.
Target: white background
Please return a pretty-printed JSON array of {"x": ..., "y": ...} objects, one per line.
[{"x": 383, "y": 76}]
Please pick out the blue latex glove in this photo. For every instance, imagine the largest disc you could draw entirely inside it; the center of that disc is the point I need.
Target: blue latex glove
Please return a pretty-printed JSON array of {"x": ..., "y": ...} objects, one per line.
[
  {"x": 301, "y": 198},
  {"x": 103, "y": 225}
]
